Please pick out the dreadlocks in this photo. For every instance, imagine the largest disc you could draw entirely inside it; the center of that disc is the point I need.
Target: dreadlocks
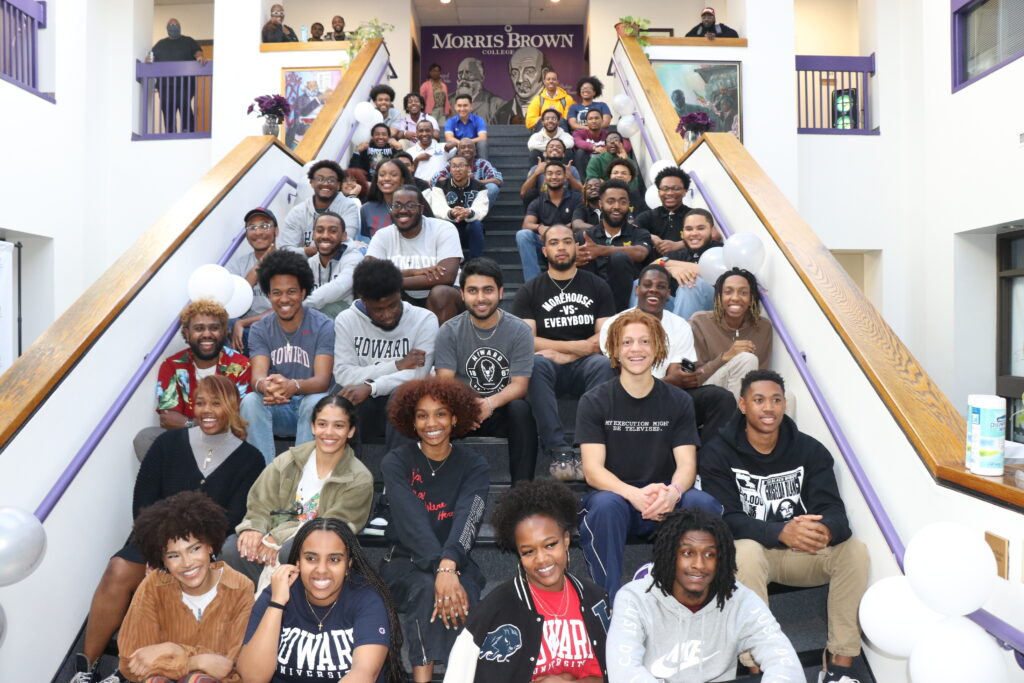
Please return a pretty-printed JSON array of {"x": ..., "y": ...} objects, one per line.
[
  {"x": 666, "y": 546},
  {"x": 754, "y": 312},
  {"x": 361, "y": 567}
]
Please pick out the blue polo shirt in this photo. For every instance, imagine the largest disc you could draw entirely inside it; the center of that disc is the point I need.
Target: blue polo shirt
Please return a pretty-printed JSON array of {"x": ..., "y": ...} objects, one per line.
[{"x": 470, "y": 129}]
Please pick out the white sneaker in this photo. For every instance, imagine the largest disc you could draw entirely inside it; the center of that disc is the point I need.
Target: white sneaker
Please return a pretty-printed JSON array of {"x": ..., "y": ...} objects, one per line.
[{"x": 376, "y": 527}]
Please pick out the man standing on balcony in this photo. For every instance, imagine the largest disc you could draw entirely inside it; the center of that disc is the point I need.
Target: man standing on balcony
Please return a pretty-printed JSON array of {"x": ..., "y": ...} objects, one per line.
[
  {"x": 338, "y": 24},
  {"x": 708, "y": 27},
  {"x": 176, "y": 92}
]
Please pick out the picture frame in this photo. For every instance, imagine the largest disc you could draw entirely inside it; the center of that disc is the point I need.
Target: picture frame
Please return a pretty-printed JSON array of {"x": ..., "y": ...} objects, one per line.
[
  {"x": 307, "y": 90},
  {"x": 712, "y": 87}
]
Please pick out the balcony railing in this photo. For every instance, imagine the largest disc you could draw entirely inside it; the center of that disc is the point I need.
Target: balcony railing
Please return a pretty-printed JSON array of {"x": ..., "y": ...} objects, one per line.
[
  {"x": 175, "y": 100},
  {"x": 833, "y": 95},
  {"x": 20, "y": 21}
]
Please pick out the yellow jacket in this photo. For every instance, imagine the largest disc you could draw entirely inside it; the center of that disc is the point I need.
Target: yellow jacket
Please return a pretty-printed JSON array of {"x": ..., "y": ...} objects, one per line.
[{"x": 541, "y": 103}]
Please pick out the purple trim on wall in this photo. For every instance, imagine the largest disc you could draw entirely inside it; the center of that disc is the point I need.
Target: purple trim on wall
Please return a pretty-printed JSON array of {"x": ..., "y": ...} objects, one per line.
[
  {"x": 831, "y": 63},
  {"x": 63, "y": 482},
  {"x": 48, "y": 96},
  {"x": 837, "y": 131},
  {"x": 166, "y": 69},
  {"x": 1001, "y": 630},
  {"x": 35, "y": 10},
  {"x": 636, "y": 114}
]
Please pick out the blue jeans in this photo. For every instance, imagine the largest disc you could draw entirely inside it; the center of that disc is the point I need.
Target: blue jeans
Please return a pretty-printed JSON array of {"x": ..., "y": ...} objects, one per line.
[
  {"x": 471, "y": 236},
  {"x": 689, "y": 300},
  {"x": 288, "y": 419},
  {"x": 551, "y": 380},
  {"x": 606, "y": 519},
  {"x": 493, "y": 190},
  {"x": 530, "y": 254}
]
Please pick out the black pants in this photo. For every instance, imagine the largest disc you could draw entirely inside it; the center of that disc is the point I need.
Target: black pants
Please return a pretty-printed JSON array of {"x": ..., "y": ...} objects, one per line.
[
  {"x": 375, "y": 425},
  {"x": 176, "y": 93},
  {"x": 619, "y": 271},
  {"x": 712, "y": 407},
  {"x": 514, "y": 421}
]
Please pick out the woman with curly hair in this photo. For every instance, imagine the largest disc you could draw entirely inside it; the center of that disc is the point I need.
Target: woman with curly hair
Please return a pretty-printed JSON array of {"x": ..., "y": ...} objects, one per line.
[
  {"x": 545, "y": 624},
  {"x": 689, "y": 619},
  {"x": 437, "y": 493},
  {"x": 733, "y": 338},
  {"x": 211, "y": 457},
  {"x": 160, "y": 642},
  {"x": 588, "y": 89},
  {"x": 325, "y": 615}
]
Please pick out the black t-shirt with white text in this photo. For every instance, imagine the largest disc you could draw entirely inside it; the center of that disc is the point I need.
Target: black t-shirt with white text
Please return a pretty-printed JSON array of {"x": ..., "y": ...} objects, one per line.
[
  {"x": 638, "y": 433},
  {"x": 567, "y": 311}
]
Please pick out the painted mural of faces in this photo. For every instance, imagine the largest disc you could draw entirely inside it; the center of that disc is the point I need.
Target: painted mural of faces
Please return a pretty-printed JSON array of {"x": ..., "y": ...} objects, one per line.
[
  {"x": 470, "y": 78},
  {"x": 526, "y": 69}
]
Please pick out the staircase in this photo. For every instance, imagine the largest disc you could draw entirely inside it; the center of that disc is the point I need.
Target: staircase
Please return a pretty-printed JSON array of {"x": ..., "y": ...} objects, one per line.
[{"x": 506, "y": 150}]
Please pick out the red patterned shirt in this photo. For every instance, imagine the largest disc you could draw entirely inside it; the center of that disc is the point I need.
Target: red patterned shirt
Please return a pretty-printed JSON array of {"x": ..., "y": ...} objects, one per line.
[{"x": 177, "y": 378}]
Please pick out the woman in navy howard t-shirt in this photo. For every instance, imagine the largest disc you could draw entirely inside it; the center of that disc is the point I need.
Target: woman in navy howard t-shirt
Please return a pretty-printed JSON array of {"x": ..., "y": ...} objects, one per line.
[{"x": 337, "y": 618}]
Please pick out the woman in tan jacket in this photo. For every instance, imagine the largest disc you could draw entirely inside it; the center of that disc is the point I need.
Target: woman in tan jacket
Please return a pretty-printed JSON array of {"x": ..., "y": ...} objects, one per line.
[
  {"x": 320, "y": 478},
  {"x": 187, "y": 620},
  {"x": 733, "y": 338}
]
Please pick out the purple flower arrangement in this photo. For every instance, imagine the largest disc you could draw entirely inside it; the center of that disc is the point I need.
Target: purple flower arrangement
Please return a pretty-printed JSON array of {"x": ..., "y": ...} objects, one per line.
[
  {"x": 698, "y": 122},
  {"x": 273, "y": 107}
]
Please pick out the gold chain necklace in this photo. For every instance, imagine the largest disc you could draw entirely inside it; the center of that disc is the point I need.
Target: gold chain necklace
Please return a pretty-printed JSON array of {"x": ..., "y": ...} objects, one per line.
[
  {"x": 320, "y": 622},
  {"x": 432, "y": 470}
]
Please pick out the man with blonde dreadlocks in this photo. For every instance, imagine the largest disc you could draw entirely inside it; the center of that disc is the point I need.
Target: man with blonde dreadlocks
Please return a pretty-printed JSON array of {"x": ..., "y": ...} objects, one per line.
[{"x": 689, "y": 619}]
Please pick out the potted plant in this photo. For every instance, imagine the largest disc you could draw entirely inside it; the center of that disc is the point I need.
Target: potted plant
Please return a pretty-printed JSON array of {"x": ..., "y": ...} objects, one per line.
[
  {"x": 274, "y": 109},
  {"x": 368, "y": 30},
  {"x": 634, "y": 28},
  {"x": 693, "y": 125}
]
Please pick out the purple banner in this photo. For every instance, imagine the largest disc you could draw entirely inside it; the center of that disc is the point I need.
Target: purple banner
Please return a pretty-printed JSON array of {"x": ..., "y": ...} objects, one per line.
[{"x": 503, "y": 67}]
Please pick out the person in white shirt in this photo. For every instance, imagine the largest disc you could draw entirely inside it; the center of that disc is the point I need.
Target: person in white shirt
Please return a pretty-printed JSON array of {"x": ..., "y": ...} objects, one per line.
[
  {"x": 414, "y": 105},
  {"x": 549, "y": 130},
  {"x": 325, "y": 177},
  {"x": 426, "y": 250},
  {"x": 428, "y": 155},
  {"x": 332, "y": 265}
]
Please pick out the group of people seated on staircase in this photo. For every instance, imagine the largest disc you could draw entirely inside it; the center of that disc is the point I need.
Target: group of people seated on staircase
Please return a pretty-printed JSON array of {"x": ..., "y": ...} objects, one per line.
[{"x": 368, "y": 325}]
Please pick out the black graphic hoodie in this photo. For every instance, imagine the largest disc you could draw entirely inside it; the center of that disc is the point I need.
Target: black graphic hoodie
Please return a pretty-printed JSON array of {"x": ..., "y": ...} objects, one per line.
[{"x": 761, "y": 493}]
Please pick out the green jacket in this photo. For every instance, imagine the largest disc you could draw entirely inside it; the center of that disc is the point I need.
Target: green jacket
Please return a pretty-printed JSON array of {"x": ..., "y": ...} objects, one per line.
[{"x": 346, "y": 494}]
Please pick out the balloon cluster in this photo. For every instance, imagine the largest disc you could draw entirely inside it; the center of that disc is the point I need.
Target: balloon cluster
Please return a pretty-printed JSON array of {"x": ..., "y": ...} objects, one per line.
[
  {"x": 950, "y": 572},
  {"x": 742, "y": 250},
  {"x": 214, "y": 282},
  {"x": 627, "y": 125},
  {"x": 366, "y": 116}
]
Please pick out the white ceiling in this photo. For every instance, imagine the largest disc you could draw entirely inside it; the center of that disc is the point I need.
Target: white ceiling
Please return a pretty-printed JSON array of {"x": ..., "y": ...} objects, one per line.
[{"x": 484, "y": 12}]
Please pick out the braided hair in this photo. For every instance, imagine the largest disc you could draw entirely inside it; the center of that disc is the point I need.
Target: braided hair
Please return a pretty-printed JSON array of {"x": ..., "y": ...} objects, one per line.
[
  {"x": 666, "y": 545},
  {"x": 360, "y": 566},
  {"x": 754, "y": 312}
]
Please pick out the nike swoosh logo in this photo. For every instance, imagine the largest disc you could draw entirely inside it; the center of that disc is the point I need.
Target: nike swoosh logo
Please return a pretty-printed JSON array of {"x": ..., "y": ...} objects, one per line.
[{"x": 669, "y": 664}]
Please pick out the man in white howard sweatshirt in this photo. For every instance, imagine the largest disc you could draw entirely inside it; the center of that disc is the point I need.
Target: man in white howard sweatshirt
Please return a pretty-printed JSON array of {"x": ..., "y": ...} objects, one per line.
[
  {"x": 325, "y": 178},
  {"x": 380, "y": 343},
  {"x": 688, "y": 620}
]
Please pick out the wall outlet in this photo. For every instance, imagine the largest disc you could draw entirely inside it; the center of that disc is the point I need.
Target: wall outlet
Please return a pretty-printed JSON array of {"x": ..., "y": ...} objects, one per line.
[{"x": 1001, "y": 549}]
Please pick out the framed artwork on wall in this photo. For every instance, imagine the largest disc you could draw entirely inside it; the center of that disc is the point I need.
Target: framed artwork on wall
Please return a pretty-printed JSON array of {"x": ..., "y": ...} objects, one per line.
[
  {"x": 307, "y": 90},
  {"x": 714, "y": 88}
]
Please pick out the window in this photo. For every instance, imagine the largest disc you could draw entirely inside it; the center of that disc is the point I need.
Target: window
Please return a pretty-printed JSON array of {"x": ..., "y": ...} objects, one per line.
[
  {"x": 1010, "y": 338},
  {"x": 987, "y": 34}
]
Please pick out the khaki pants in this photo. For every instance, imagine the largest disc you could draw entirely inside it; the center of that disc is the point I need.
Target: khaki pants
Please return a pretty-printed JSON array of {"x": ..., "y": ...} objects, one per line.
[
  {"x": 843, "y": 567},
  {"x": 731, "y": 375}
]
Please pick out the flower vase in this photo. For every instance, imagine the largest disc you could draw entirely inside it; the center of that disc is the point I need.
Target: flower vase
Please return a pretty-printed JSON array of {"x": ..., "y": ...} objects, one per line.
[
  {"x": 272, "y": 126},
  {"x": 692, "y": 136}
]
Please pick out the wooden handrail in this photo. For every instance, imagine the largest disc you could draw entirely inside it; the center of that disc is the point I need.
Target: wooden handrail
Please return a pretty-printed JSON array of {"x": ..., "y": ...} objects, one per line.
[
  {"x": 696, "y": 42},
  {"x": 319, "y": 46},
  {"x": 664, "y": 112},
  {"x": 934, "y": 427},
  {"x": 315, "y": 137}
]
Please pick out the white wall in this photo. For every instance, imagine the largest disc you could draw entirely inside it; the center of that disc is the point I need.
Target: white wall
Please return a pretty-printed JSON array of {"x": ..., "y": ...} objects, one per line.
[
  {"x": 827, "y": 27},
  {"x": 196, "y": 20}
]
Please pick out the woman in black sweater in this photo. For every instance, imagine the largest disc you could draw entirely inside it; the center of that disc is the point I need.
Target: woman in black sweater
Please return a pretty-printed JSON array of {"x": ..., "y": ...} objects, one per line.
[
  {"x": 437, "y": 493},
  {"x": 213, "y": 458}
]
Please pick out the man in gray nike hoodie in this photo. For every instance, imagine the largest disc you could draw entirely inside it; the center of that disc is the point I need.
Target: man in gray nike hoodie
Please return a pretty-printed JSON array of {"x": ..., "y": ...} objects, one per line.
[{"x": 688, "y": 620}]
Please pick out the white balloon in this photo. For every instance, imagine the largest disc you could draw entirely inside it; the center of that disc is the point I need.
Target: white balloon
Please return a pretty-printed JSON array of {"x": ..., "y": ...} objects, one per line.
[
  {"x": 22, "y": 544},
  {"x": 241, "y": 299},
  {"x": 3, "y": 626},
  {"x": 211, "y": 282},
  {"x": 744, "y": 250},
  {"x": 651, "y": 197},
  {"x": 893, "y": 617},
  {"x": 622, "y": 104},
  {"x": 656, "y": 168},
  {"x": 950, "y": 567},
  {"x": 956, "y": 650},
  {"x": 367, "y": 114},
  {"x": 361, "y": 134},
  {"x": 712, "y": 265},
  {"x": 627, "y": 126}
]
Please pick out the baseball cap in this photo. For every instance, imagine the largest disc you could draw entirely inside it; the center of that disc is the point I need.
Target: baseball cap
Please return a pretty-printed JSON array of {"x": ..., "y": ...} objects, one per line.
[
  {"x": 260, "y": 210},
  {"x": 707, "y": 10}
]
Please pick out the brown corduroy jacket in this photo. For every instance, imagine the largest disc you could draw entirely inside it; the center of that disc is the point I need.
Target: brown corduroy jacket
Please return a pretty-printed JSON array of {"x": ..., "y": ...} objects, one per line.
[{"x": 158, "y": 615}]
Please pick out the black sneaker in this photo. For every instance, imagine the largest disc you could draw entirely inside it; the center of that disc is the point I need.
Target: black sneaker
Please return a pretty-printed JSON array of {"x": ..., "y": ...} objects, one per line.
[
  {"x": 83, "y": 672},
  {"x": 378, "y": 523},
  {"x": 562, "y": 465}
]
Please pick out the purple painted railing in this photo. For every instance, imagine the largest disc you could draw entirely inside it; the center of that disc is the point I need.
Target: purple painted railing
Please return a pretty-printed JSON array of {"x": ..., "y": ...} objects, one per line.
[
  {"x": 175, "y": 100},
  {"x": 833, "y": 95},
  {"x": 20, "y": 21},
  {"x": 1009, "y": 635}
]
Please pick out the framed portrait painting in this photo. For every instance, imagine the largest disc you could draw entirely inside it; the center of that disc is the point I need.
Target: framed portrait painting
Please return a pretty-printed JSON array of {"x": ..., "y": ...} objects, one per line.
[
  {"x": 714, "y": 88},
  {"x": 307, "y": 90}
]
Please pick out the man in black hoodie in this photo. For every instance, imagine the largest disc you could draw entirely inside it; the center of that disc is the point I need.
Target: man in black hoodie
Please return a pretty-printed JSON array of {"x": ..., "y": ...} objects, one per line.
[{"x": 782, "y": 504}]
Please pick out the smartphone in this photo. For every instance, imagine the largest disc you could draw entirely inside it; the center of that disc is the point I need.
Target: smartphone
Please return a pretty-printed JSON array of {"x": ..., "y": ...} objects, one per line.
[{"x": 688, "y": 365}]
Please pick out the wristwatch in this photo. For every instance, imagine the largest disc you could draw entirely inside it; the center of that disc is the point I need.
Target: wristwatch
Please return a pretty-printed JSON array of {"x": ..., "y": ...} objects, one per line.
[
  {"x": 190, "y": 423},
  {"x": 373, "y": 386}
]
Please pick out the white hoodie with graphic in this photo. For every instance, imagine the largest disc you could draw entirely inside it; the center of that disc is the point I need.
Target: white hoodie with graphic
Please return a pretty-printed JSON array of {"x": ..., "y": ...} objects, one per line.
[{"x": 655, "y": 638}]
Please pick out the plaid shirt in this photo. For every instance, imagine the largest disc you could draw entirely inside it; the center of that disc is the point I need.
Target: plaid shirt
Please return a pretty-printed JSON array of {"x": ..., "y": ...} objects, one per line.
[
  {"x": 177, "y": 378},
  {"x": 482, "y": 170}
]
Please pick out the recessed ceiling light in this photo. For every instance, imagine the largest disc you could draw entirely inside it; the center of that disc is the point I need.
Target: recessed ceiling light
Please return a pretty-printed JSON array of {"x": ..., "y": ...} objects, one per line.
[
  {"x": 555, "y": 0},
  {"x": 446, "y": 2}
]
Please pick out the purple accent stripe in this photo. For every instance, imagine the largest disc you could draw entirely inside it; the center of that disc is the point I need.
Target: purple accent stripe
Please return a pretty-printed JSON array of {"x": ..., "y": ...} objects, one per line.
[
  {"x": 994, "y": 625},
  {"x": 63, "y": 482},
  {"x": 837, "y": 131},
  {"x": 355, "y": 124},
  {"x": 636, "y": 113},
  {"x": 830, "y": 63}
]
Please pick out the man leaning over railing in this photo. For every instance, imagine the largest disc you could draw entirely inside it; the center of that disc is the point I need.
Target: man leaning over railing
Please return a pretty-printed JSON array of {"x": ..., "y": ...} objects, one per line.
[{"x": 175, "y": 95}]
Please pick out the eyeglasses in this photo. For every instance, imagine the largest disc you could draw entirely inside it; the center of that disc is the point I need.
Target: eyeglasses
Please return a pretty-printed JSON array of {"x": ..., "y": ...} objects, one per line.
[
  {"x": 325, "y": 180},
  {"x": 277, "y": 14},
  {"x": 408, "y": 206},
  {"x": 259, "y": 227}
]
